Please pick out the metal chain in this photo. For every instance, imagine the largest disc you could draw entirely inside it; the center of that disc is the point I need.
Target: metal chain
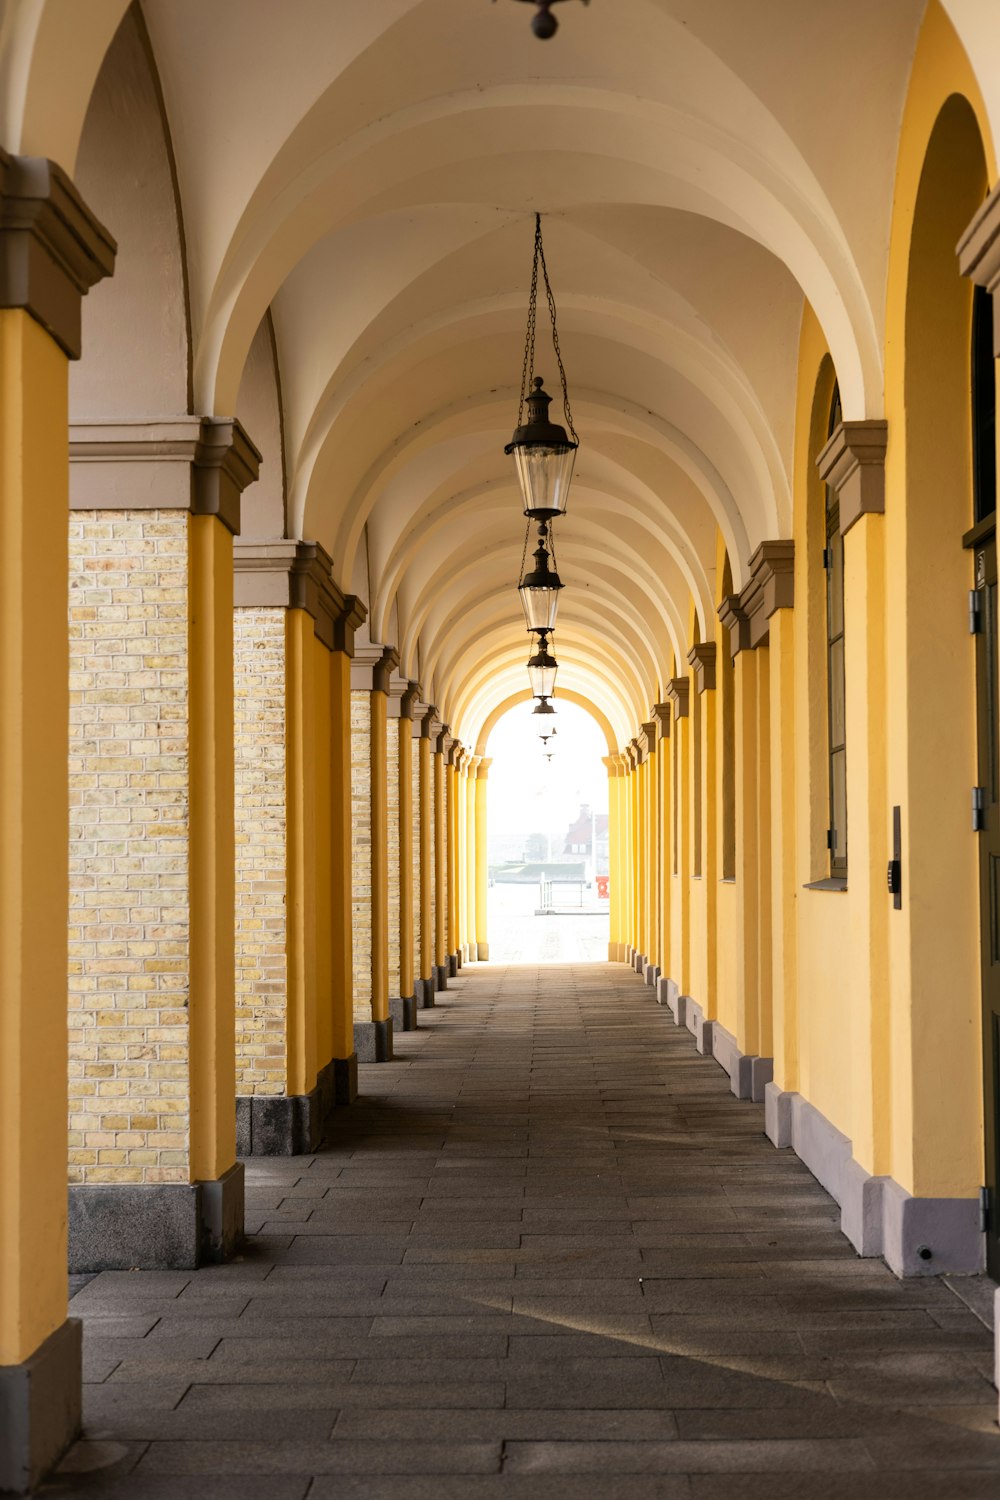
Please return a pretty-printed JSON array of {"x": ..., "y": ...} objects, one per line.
[
  {"x": 551, "y": 539},
  {"x": 528, "y": 368},
  {"x": 555, "y": 333}
]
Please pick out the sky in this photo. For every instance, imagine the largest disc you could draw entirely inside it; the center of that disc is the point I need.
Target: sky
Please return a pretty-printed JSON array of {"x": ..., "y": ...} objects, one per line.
[{"x": 528, "y": 794}]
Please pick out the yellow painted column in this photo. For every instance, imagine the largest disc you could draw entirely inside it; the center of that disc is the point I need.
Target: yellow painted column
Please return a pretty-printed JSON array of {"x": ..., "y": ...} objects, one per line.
[
  {"x": 681, "y": 850},
  {"x": 300, "y": 896},
  {"x": 370, "y": 673},
  {"x": 345, "y": 1060},
  {"x": 406, "y": 865},
  {"x": 441, "y": 907},
  {"x": 471, "y": 857},
  {"x": 482, "y": 860},
  {"x": 663, "y": 750},
  {"x": 747, "y": 890},
  {"x": 634, "y": 853},
  {"x": 45, "y": 270},
  {"x": 642, "y": 853},
  {"x": 652, "y": 846},
  {"x": 400, "y": 839},
  {"x": 703, "y": 703},
  {"x": 784, "y": 1004},
  {"x": 614, "y": 866},
  {"x": 426, "y": 892},
  {"x": 452, "y": 805}
]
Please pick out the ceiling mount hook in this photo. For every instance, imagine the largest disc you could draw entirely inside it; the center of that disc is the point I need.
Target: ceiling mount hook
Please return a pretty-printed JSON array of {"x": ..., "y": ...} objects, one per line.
[{"x": 544, "y": 23}]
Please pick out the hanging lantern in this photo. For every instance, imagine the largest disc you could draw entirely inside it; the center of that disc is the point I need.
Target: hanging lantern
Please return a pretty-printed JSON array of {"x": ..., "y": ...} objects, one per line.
[
  {"x": 542, "y": 668},
  {"x": 543, "y": 22},
  {"x": 539, "y": 589},
  {"x": 544, "y": 452},
  {"x": 543, "y": 706}
]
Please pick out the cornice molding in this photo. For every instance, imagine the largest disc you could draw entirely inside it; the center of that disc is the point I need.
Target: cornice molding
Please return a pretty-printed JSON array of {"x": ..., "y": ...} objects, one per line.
[
  {"x": 661, "y": 713},
  {"x": 430, "y": 724},
  {"x": 733, "y": 617},
  {"x": 613, "y": 765},
  {"x": 649, "y": 737},
  {"x": 678, "y": 690},
  {"x": 286, "y": 574},
  {"x": 198, "y": 464},
  {"x": 52, "y": 248},
  {"x": 979, "y": 255},
  {"x": 372, "y": 668},
  {"x": 443, "y": 741},
  {"x": 637, "y": 750},
  {"x": 853, "y": 464},
  {"x": 771, "y": 587},
  {"x": 702, "y": 658}
]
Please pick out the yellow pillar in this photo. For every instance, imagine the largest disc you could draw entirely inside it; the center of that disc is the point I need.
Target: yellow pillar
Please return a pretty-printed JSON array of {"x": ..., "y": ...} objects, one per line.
[
  {"x": 370, "y": 674},
  {"x": 345, "y": 1059},
  {"x": 663, "y": 748},
  {"x": 452, "y": 833},
  {"x": 399, "y": 838},
  {"x": 441, "y": 906},
  {"x": 615, "y": 945},
  {"x": 634, "y": 854},
  {"x": 300, "y": 898},
  {"x": 471, "y": 857},
  {"x": 423, "y": 855},
  {"x": 704, "y": 963},
  {"x": 748, "y": 771},
  {"x": 39, "y": 1346},
  {"x": 652, "y": 911},
  {"x": 679, "y": 690},
  {"x": 482, "y": 860}
]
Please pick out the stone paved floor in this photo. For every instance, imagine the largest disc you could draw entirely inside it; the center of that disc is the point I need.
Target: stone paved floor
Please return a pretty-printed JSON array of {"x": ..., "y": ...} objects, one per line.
[{"x": 548, "y": 1257}]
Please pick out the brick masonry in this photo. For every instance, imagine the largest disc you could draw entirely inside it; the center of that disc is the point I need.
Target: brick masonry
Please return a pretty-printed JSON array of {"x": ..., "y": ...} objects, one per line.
[
  {"x": 128, "y": 857},
  {"x": 259, "y": 646},
  {"x": 361, "y": 851}
]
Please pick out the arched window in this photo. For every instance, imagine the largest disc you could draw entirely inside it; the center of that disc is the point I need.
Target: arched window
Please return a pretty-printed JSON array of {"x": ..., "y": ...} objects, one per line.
[{"x": 833, "y": 561}]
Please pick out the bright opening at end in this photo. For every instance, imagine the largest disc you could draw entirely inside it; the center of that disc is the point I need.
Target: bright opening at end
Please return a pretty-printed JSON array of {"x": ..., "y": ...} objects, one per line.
[{"x": 547, "y": 823}]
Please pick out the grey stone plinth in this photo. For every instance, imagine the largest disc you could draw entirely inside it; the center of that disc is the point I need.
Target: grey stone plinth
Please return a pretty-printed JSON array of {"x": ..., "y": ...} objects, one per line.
[
  {"x": 638, "y": 962},
  {"x": 453, "y": 965},
  {"x": 285, "y": 1124},
  {"x": 403, "y": 1010},
  {"x": 345, "y": 1079},
  {"x": 373, "y": 1041},
  {"x": 678, "y": 1005},
  {"x": 651, "y": 974},
  {"x": 778, "y": 1116},
  {"x": 665, "y": 988},
  {"x": 749, "y": 1074},
  {"x": 40, "y": 1408},
  {"x": 154, "y": 1227},
  {"x": 862, "y": 1208},
  {"x": 483, "y": 953},
  {"x": 440, "y": 978},
  {"x": 930, "y": 1236},
  {"x": 703, "y": 1031}
]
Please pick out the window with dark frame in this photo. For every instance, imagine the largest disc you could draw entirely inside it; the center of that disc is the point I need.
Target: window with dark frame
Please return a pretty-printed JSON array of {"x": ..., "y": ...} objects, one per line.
[
  {"x": 833, "y": 560},
  {"x": 984, "y": 407}
]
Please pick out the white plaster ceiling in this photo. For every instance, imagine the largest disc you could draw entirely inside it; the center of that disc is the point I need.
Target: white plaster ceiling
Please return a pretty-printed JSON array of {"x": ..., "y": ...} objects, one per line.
[{"x": 365, "y": 175}]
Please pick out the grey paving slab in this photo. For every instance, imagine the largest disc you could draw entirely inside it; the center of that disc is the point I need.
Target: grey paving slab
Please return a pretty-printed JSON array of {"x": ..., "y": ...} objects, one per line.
[{"x": 546, "y": 1256}]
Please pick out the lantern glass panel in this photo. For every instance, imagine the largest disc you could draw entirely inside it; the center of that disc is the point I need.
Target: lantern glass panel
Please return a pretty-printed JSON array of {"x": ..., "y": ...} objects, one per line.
[
  {"x": 544, "y": 473},
  {"x": 540, "y": 607},
  {"x": 543, "y": 680}
]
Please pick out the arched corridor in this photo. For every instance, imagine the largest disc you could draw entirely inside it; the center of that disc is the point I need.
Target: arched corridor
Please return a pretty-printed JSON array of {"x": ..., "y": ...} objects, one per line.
[{"x": 314, "y": 319}]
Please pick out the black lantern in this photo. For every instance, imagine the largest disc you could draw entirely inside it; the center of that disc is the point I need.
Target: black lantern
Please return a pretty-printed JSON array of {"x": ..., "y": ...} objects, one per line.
[
  {"x": 544, "y": 23},
  {"x": 543, "y": 451},
  {"x": 542, "y": 668},
  {"x": 539, "y": 589},
  {"x": 543, "y": 706}
]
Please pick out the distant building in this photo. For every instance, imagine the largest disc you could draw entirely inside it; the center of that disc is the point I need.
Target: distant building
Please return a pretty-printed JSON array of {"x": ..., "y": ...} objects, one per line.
[{"x": 587, "y": 839}]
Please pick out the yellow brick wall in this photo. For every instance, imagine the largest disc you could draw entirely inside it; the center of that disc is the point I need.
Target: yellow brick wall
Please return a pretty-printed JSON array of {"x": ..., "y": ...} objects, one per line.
[
  {"x": 261, "y": 972},
  {"x": 361, "y": 851},
  {"x": 393, "y": 834},
  {"x": 129, "y": 787}
]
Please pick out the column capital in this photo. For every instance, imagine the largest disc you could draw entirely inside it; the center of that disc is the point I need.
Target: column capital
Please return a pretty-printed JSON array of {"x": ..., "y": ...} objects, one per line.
[
  {"x": 454, "y": 752},
  {"x": 198, "y": 464},
  {"x": 979, "y": 255},
  {"x": 430, "y": 724},
  {"x": 400, "y": 697},
  {"x": 853, "y": 464},
  {"x": 636, "y": 748},
  {"x": 661, "y": 713},
  {"x": 702, "y": 658},
  {"x": 372, "y": 667},
  {"x": 442, "y": 742},
  {"x": 285, "y": 574},
  {"x": 472, "y": 764},
  {"x": 52, "y": 248},
  {"x": 612, "y": 763},
  {"x": 483, "y": 768},
  {"x": 648, "y": 737},
  {"x": 678, "y": 690},
  {"x": 771, "y": 587},
  {"x": 734, "y": 619}
]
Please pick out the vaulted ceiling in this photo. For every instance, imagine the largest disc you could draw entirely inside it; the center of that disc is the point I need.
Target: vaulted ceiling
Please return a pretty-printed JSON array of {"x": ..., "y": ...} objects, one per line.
[{"x": 325, "y": 214}]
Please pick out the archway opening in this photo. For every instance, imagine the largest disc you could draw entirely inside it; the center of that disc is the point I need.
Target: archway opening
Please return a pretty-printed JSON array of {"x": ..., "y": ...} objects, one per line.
[{"x": 547, "y": 842}]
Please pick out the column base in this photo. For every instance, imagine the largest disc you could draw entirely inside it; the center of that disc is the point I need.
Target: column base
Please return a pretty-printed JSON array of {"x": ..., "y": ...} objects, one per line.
[
  {"x": 454, "y": 964},
  {"x": 440, "y": 979},
  {"x": 749, "y": 1074},
  {"x": 373, "y": 1041},
  {"x": 40, "y": 1408},
  {"x": 915, "y": 1236},
  {"x": 345, "y": 1079},
  {"x": 651, "y": 973},
  {"x": 703, "y": 1031},
  {"x": 483, "y": 952},
  {"x": 285, "y": 1124},
  {"x": 638, "y": 961},
  {"x": 425, "y": 994},
  {"x": 403, "y": 1010},
  {"x": 155, "y": 1227}
]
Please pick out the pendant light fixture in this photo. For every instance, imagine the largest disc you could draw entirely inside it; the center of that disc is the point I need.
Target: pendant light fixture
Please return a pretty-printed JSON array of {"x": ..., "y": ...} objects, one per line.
[
  {"x": 544, "y": 452},
  {"x": 539, "y": 589},
  {"x": 544, "y": 23},
  {"x": 542, "y": 668}
]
